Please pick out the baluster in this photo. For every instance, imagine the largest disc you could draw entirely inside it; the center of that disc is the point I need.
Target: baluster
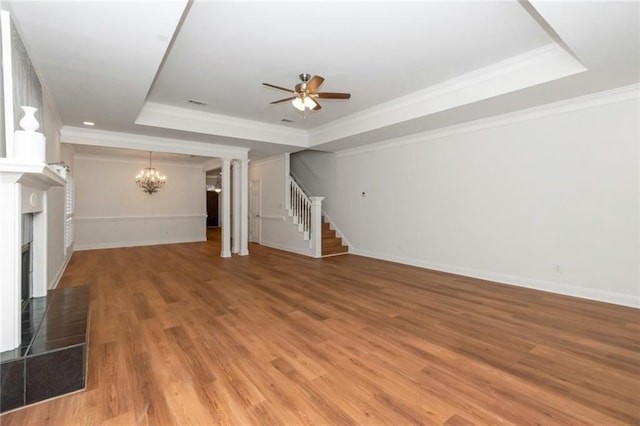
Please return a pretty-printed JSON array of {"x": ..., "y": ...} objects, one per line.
[{"x": 305, "y": 216}]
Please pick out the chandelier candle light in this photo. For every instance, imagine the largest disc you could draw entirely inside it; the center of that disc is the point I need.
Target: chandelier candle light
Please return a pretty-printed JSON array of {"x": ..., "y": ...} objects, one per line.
[{"x": 149, "y": 179}]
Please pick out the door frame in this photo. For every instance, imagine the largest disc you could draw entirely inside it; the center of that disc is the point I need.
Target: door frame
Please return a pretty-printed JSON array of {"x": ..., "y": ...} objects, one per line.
[{"x": 255, "y": 212}]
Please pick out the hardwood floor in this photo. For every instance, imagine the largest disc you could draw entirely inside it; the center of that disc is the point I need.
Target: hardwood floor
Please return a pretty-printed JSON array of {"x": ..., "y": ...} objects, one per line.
[{"x": 180, "y": 336}]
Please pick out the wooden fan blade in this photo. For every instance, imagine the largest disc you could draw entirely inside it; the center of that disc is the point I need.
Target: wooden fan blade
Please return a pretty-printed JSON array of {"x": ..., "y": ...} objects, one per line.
[
  {"x": 283, "y": 100},
  {"x": 314, "y": 83},
  {"x": 317, "y": 107},
  {"x": 278, "y": 87},
  {"x": 330, "y": 95}
]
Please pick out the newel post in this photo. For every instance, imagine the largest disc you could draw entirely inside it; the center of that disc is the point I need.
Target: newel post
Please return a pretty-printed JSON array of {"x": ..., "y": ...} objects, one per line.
[{"x": 316, "y": 226}]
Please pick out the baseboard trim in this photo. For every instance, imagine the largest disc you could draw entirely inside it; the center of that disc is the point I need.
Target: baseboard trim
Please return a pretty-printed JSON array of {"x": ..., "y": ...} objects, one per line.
[
  {"x": 56, "y": 280},
  {"x": 542, "y": 285},
  {"x": 83, "y": 247},
  {"x": 285, "y": 248}
]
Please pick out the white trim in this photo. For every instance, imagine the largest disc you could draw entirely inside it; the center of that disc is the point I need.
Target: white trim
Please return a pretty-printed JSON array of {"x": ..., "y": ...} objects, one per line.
[
  {"x": 541, "y": 285},
  {"x": 135, "y": 160},
  {"x": 305, "y": 252},
  {"x": 537, "y": 66},
  {"x": 273, "y": 218},
  {"x": 137, "y": 218},
  {"x": 621, "y": 94},
  {"x": 56, "y": 279},
  {"x": 84, "y": 247},
  {"x": 171, "y": 117},
  {"x": 268, "y": 160},
  {"x": 76, "y": 135}
]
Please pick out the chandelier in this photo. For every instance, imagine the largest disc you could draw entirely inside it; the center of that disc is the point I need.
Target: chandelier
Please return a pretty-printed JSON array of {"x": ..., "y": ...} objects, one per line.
[{"x": 149, "y": 179}]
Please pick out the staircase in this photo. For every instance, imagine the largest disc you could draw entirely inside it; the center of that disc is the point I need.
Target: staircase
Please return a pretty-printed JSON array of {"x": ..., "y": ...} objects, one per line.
[
  {"x": 306, "y": 214},
  {"x": 331, "y": 244}
]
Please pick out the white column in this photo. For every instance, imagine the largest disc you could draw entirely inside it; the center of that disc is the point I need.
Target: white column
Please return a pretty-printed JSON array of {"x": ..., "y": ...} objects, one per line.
[
  {"x": 244, "y": 207},
  {"x": 287, "y": 179},
  {"x": 235, "y": 210},
  {"x": 316, "y": 226},
  {"x": 10, "y": 261},
  {"x": 226, "y": 208}
]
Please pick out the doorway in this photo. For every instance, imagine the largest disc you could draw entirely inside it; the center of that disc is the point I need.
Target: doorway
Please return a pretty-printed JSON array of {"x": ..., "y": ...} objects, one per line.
[
  {"x": 213, "y": 217},
  {"x": 254, "y": 211}
]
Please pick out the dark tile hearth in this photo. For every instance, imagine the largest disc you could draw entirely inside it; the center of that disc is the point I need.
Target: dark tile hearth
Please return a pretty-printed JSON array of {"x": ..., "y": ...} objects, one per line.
[
  {"x": 51, "y": 359},
  {"x": 47, "y": 376}
]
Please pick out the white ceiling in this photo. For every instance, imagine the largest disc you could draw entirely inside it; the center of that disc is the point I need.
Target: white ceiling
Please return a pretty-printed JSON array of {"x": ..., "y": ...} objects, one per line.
[{"x": 410, "y": 66}]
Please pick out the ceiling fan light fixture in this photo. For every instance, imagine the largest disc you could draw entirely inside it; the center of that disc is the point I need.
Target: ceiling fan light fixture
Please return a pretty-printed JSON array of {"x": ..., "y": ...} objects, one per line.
[
  {"x": 305, "y": 94},
  {"x": 309, "y": 102},
  {"x": 298, "y": 104}
]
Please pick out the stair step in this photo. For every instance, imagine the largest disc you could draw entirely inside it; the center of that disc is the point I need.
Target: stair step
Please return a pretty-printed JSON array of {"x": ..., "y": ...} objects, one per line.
[
  {"x": 331, "y": 242},
  {"x": 328, "y": 234},
  {"x": 328, "y": 251}
]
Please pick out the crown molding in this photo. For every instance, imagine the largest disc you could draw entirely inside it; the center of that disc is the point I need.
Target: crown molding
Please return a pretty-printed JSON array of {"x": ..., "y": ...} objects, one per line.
[
  {"x": 166, "y": 116},
  {"x": 76, "y": 135},
  {"x": 269, "y": 160},
  {"x": 620, "y": 94},
  {"x": 541, "y": 65},
  {"x": 135, "y": 160}
]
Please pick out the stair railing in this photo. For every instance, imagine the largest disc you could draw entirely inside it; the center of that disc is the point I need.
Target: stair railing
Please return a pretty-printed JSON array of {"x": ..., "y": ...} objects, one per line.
[
  {"x": 307, "y": 214},
  {"x": 300, "y": 207}
]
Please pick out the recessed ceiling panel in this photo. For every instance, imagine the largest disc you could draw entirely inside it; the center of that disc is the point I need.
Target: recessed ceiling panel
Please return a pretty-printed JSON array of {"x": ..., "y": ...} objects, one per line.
[{"x": 377, "y": 51}]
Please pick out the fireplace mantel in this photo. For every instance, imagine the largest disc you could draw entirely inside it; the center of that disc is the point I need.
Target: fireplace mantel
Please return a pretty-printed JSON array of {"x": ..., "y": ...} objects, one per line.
[
  {"x": 23, "y": 189},
  {"x": 36, "y": 175}
]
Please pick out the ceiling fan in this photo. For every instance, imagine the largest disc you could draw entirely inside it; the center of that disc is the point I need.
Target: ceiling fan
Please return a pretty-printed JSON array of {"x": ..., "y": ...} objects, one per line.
[{"x": 306, "y": 94}]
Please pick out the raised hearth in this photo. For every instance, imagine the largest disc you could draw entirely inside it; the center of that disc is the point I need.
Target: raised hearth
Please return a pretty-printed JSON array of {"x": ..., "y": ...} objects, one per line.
[{"x": 51, "y": 359}]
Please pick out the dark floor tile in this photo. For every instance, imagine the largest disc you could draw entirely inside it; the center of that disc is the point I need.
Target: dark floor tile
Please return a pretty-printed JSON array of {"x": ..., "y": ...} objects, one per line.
[
  {"x": 58, "y": 330},
  {"x": 12, "y": 385},
  {"x": 65, "y": 316},
  {"x": 40, "y": 346},
  {"x": 55, "y": 373},
  {"x": 10, "y": 355},
  {"x": 38, "y": 303}
]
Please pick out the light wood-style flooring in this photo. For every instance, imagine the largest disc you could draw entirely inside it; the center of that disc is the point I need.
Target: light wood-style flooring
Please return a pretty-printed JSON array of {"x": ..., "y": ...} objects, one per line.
[{"x": 180, "y": 336}]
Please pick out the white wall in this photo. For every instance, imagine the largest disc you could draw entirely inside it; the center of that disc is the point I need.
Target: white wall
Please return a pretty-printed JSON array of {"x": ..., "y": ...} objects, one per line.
[
  {"x": 277, "y": 228},
  {"x": 111, "y": 211},
  {"x": 57, "y": 259},
  {"x": 547, "y": 199}
]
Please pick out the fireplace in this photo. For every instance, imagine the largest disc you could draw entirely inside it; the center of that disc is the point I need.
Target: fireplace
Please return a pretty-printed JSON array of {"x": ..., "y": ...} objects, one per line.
[
  {"x": 27, "y": 258},
  {"x": 24, "y": 241},
  {"x": 42, "y": 331}
]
